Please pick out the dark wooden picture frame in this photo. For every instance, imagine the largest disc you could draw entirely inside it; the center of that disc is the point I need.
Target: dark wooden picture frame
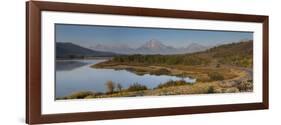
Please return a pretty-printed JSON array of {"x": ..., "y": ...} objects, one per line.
[{"x": 33, "y": 62}]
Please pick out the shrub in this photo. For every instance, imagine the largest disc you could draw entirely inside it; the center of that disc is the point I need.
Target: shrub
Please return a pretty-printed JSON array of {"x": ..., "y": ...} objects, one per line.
[
  {"x": 110, "y": 86},
  {"x": 211, "y": 89},
  {"x": 89, "y": 97},
  {"x": 161, "y": 71},
  {"x": 250, "y": 80},
  {"x": 79, "y": 95},
  {"x": 171, "y": 83},
  {"x": 232, "y": 90},
  {"x": 215, "y": 76},
  {"x": 245, "y": 86},
  {"x": 119, "y": 87},
  {"x": 136, "y": 87}
]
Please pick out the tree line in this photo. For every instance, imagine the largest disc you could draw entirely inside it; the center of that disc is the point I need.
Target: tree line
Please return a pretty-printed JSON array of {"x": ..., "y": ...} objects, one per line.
[{"x": 181, "y": 59}]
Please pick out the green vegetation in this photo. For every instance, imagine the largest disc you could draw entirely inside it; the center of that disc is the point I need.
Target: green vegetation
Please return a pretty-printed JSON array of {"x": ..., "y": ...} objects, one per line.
[
  {"x": 78, "y": 95},
  {"x": 181, "y": 59},
  {"x": 156, "y": 71},
  {"x": 173, "y": 83},
  {"x": 169, "y": 88},
  {"x": 136, "y": 87}
]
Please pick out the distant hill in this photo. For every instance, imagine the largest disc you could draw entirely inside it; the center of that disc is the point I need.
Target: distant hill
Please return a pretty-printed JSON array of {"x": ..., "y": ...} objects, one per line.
[
  {"x": 194, "y": 47},
  {"x": 243, "y": 48},
  {"x": 70, "y": 50},
  {"x": 240, "y": 54}
]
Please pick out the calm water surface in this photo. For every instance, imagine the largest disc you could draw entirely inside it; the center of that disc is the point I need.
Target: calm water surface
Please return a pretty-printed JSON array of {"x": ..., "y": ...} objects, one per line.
[{"x": 77, "y": 75}]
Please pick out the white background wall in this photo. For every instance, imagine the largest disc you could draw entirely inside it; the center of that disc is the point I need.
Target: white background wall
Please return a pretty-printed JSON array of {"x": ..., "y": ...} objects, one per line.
[{"x": 12, "y": 64}]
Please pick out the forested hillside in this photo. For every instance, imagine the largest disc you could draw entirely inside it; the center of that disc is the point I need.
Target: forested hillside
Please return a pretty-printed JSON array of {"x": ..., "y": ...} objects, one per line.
[{"x": 70, "y": 50}]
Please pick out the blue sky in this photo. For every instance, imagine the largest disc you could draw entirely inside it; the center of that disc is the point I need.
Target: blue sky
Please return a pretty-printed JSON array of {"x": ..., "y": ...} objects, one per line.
[{"x": 90, "y": 35}]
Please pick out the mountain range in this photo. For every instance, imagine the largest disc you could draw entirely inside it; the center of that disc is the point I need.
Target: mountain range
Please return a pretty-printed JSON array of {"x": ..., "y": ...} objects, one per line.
[
  {"x": 150, "y": 47},
  {"x": 70, "y": 50}
]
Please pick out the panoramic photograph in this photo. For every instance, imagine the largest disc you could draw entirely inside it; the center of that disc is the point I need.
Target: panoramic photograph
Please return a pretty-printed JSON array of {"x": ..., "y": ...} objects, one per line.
[{"x": 95, "y": 61}]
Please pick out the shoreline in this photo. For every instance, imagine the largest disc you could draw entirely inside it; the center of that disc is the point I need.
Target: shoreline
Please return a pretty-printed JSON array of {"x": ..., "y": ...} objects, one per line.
[
  {"x": 198, "y": 88},
  {"x": 201, "y": 73},
  {"x": 236, "y": 79}
]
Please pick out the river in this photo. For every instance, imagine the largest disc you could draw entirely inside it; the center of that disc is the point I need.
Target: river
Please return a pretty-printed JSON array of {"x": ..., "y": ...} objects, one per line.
[{"x": 77, "y": 75}]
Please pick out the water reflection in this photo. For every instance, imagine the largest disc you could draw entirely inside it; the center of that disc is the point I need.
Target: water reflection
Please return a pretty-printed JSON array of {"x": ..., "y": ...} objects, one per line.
[
  {"x": 68, "y": 65},
  {"x": 77, "y": 75}
]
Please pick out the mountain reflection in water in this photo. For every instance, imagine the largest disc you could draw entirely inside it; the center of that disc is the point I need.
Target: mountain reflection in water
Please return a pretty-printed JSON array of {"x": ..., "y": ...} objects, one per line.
[{"x": 62, "y": 65}]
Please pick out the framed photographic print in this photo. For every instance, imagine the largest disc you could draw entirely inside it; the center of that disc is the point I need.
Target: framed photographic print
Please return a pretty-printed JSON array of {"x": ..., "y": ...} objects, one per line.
[{"x": 94, "y": 62}]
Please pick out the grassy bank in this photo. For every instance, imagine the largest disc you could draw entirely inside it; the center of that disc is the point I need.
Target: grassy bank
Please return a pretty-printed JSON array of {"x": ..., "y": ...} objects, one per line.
[
  {"x": 169, "y": 88},
  {"x": 200, "y": 73}
]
